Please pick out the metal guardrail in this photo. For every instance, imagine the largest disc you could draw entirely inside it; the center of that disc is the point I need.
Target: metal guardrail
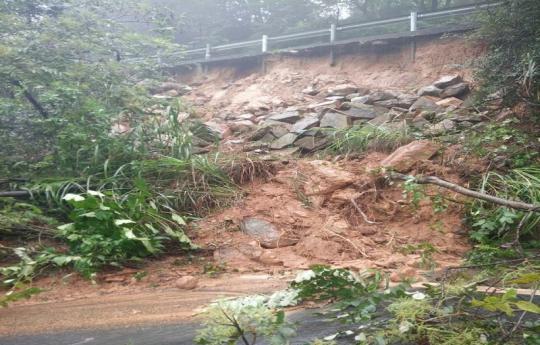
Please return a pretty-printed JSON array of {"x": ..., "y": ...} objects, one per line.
[{"x": 324, "y": 36}]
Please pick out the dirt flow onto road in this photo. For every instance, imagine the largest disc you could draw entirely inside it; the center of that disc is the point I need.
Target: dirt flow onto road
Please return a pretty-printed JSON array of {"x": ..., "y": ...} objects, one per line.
[{"x": 315, "y": 208}]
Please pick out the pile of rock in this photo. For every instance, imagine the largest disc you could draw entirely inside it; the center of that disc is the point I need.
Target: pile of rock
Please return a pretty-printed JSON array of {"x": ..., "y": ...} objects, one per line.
[{"x": 433, "y": 110}]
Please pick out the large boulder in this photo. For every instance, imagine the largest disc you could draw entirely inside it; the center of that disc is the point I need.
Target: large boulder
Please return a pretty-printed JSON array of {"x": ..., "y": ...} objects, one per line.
[
  {"x": 447, "y": 81},
  {"x": 405, "y": 157},
  {"x": 335, "y": 120},
  {"x": 265, "y": 233}
]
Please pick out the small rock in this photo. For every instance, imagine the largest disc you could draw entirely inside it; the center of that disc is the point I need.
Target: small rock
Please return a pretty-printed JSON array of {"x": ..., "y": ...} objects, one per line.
[
  {"x": 457, "y": 90},
  {"x": 287, "y": 117},
  {"x": 286, "y": 140},
  {"x": 305, "y": 123},
  {"x": 335, "y": 120},
  {"x": 381, "y": 119},
  {"x": 360, "y": 100},
  {"x": 424, "y": 103},
  {"x": 382, "y": 96},
  {"x": 186, "y": 283},
  {"x": 311, "y": 143},
  {"x": 405, "y": 157},
  {"x": 430, "y": 90},
  {"x": 447, "y": 81},
  {"x": 222, "y": 130},
  {"x": 310, "y": 90},
  {"x": 243, "y": 126},
  {"x": 442, "y": 127},
  {"x": 450, "y": 102},
  {"x": 342, "y": 90}
]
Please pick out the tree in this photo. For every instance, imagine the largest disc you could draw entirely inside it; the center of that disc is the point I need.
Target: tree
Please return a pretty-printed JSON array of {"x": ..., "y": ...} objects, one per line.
[{"x": 68, "y": 65}]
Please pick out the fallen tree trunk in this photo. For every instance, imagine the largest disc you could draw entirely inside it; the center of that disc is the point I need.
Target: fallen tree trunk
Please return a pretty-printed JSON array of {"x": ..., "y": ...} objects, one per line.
[
  {"x": 519, "y": 205},
  {"x": 15, "y": 194}
]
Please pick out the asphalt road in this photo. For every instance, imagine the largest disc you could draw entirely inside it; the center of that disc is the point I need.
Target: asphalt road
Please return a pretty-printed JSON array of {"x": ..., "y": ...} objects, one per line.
[{"x": 310, "y": 327}]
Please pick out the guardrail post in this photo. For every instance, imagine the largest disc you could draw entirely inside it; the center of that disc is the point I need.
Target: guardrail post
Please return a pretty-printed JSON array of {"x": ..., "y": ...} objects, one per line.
[
  {"x": 207, "y": 56},
  {"x": 414, "y": 22},
  {"x": 264, "y": 43},
  {"x": 207, "y": 52},
  {"x": 264, "y": 50},
  {"x": 332, "y": 41}
]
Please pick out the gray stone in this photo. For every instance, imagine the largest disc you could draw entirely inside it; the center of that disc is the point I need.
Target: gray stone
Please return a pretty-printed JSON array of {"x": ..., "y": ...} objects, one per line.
[
  {"x": 442, "y": 127},
  {"x": 324, "y": 105},
  {"x": 265, "y": 233},
  {"x": 382, "y": 96},
  {"x": 365, "y": 111},
  {"x": 349, "y": 97},
  {"x": 406, "y": 100},
  {"x": 310, "y": 90},
  {"x": 342, "y": 90},
  {"x": 389, "y": 103},
  {"x": 424, "y": 103},
  {"x": 430, "y": 90},
  {"x": 448, "y": 80},
  {"x": 288, "y": 116},
  {"x": 284, "y": 141},
  {"x": 242, "y": 126},
  {"x": 360, "y": 100},
  {"x": 335, "y": 120},
  {"x": 311, "y": 143},
  {"x": 420, "y": 123},
  {"x": 305, "y": 123},
  {"x": 456, "y": 90},
  {"x": 381, "y": 119}
]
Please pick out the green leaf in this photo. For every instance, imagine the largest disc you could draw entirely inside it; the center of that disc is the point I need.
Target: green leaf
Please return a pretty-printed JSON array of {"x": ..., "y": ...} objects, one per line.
[
  {"x": 178, "y": 219},
  {"x": 528, "y": 306}
]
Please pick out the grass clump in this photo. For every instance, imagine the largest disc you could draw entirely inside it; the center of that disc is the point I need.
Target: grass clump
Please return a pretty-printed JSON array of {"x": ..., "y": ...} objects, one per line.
[{"x": 358, "y": 139}]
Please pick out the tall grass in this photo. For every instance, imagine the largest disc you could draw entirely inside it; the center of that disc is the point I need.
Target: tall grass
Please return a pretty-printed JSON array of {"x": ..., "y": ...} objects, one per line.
[{"x": 368, "y": 138}]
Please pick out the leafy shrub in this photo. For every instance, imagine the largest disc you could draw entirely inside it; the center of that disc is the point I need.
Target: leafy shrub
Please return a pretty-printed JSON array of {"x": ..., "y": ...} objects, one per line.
[
  {"x": 111, "y": 229},
  {"x": 490, "y": 222},
  {"x": 244, "y": 319}
]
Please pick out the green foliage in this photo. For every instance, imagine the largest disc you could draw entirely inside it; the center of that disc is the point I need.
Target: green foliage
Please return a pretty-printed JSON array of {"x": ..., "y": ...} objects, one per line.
[
  {"x": 358, "y": 295},
  {"x": 491, "y": 222},
  {"x": 368, "y": 137},
  {"x": 505, "y": 139},
  {"x": 111, "y": 229},
  {"x": 511, "y": 67},
  {"x": 244, "y": 319},
  {"x": 506, "y": 303},
  {"x": 15, "y": 295},
  {"x": 426, "y": 251}
]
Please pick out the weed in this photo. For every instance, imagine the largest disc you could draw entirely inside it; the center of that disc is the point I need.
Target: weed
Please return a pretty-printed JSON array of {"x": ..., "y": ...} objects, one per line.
[{"x": 368, "y": 137}]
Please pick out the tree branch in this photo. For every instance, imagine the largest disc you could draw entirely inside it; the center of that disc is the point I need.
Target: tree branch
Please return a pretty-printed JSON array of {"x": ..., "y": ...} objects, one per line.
[
  {"x": 41, "y": 110},
  {"x": 519, "y": 205}
]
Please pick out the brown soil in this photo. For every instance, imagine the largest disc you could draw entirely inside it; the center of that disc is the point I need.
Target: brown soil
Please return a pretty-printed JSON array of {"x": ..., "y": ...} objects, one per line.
[{"x": 310, "y": 200}]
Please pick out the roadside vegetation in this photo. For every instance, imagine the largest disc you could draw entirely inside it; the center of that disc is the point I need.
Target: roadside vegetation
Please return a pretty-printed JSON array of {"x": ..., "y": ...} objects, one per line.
[{"x": 98, "y": 174}]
